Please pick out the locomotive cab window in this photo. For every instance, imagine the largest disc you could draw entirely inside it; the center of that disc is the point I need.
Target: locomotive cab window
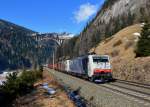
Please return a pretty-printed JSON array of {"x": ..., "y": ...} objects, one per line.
[{"x": 100, "y": 59}]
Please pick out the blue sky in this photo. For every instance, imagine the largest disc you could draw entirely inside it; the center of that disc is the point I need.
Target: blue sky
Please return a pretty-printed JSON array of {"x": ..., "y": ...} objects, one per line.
[{"x": 50, "y": 15}]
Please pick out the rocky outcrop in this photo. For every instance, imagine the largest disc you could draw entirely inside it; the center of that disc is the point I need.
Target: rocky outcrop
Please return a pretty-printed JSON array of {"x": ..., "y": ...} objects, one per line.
[{"x": 113, "y": 16}]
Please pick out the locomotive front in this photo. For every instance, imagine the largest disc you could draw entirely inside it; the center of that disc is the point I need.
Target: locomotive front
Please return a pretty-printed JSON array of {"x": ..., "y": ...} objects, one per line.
[{"x": 100, "y": 68}]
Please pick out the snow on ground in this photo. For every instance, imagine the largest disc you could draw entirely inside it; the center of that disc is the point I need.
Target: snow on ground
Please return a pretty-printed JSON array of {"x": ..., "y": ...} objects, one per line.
[
  {"x": 2, "y": 79},
  {"x": 142, "y": 24},
  {"x": 137, "y": 34}
]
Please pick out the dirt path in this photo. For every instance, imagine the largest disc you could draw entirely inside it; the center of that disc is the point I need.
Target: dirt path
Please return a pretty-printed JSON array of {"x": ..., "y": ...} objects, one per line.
[{"x": 40, "y": 98}]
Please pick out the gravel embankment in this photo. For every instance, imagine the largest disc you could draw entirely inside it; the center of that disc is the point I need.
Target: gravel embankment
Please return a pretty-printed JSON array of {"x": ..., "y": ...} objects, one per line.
[{"x": 95, "y": 93}]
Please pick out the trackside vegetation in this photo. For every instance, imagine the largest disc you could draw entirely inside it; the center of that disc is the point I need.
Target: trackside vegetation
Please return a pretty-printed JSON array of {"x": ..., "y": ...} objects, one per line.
[
  {"x": 18, "y": 85},
  {"x": 143, "y": 45}
]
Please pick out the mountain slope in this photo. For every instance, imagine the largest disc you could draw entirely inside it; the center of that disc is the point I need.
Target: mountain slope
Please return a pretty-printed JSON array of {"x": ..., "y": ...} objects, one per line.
[
  {"x": 107, "y": 34},
  {"x": 122, "y": 44},
  {"x": 112, "y": 17},
  {"x": 121, "y": 48},
  {"x": 5, "y": 25},
  {"x": 18, "y": 48}
]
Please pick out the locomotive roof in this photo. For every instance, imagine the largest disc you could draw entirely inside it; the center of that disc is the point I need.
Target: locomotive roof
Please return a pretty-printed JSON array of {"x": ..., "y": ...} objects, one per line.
[
  {"x": 92, "y": 55},
  {"x": 84, "y": 56}
]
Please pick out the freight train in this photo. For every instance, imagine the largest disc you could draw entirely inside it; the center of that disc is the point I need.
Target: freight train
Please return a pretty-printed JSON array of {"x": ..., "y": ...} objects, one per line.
[{"x": 94, "y": 67}]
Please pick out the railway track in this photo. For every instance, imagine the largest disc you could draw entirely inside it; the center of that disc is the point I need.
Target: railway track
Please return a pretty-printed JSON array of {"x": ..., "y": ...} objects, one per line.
[
  {"x": 147, "y": 86},
  {"x": 136, "y": 91},
  {"x": 133, "y": 91},
  {"x": 134, "y": 94}
]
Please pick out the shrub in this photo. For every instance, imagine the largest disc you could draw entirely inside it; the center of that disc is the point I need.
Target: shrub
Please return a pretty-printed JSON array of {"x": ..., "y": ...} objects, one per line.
[
  {"x": 108, "y": 39},
  {"x": 114, "y": 53},
  {"x": 19, "y": 85},
  {"x": 128, "y": 44},
  {"x": 11, "y": 86},
  {"x": 41, "y": 68},
  {"x": 119, "y": 42}
]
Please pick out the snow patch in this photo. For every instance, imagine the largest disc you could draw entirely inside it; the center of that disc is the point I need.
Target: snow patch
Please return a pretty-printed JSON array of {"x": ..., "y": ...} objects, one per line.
[
  {"x": 1, "y": 81},
  {"x": 137, "y": 34},
  {"x": 142, "y": 24}
]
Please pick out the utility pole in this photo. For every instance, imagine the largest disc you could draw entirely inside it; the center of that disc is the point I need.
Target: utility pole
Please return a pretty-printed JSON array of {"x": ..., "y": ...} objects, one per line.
[{"x": 53, "y": 59}]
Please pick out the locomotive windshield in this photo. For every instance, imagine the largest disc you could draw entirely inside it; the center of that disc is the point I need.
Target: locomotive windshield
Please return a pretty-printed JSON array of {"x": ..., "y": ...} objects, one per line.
[{"x": 100, "y": 59}]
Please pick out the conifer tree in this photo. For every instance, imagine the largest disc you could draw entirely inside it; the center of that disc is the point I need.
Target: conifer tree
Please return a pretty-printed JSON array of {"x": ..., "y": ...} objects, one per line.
[{"x": 143, "y": 46}]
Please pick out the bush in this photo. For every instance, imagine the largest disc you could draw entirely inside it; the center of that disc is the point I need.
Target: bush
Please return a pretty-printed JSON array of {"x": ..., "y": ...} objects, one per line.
[
  {"x": 108, "y": 39},
  {"x": 11, "y": 86},
  {"x": 119, "y": 42},
  {"x": 19, "y": 85},
  {"x": 143, "y": 45},
  {"x": 115, "y": 53},
  {"x": 41, "y": 68},
  {"x": 129, "y": 44}
]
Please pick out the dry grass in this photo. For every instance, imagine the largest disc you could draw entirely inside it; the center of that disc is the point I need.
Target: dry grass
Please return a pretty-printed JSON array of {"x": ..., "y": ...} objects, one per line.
[
  {"x": 137, "y": 70},
  {"x": 123, "y": 36}
]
